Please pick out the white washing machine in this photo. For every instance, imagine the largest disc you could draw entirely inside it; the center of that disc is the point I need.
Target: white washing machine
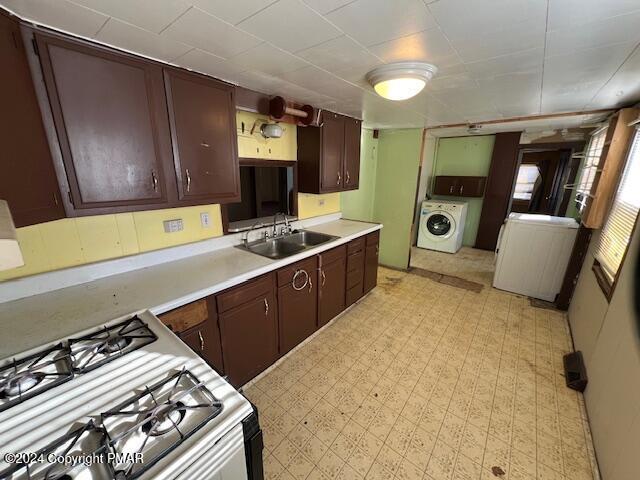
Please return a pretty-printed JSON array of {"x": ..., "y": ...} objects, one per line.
[{"x": 442, "y": 225}]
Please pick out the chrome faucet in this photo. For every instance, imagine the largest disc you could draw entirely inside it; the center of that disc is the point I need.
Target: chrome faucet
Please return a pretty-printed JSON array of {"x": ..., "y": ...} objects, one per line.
[
  {"x": 245, "y": 240},
  {"x": 286, "y": 223}
]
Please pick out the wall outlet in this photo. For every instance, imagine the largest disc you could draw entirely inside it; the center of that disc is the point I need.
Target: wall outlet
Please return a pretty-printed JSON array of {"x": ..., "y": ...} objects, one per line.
[
  {"x": 321, "y": 202},
  {"x": 205, "y": 220},
  {"x": 171, "y": 226}
]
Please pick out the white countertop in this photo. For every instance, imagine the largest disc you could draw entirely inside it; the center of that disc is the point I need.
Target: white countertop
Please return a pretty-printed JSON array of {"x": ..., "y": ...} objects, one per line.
[{"x": 37, "y": 320}]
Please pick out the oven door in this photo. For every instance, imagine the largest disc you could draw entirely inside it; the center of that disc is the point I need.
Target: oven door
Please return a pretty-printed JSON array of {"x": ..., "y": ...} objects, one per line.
[{"x": 223, "y": 461}]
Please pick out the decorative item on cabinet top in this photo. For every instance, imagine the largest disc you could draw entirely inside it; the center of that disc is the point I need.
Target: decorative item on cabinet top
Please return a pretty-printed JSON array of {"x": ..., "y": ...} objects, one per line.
[{"x": 253, "y": 144}]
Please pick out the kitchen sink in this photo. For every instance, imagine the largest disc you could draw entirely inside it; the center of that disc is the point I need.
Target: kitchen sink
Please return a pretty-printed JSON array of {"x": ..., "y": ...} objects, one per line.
[{"x": 286, "y": 245}]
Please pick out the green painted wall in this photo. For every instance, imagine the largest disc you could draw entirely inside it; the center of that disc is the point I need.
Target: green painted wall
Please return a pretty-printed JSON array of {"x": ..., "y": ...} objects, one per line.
[
  {"x": 469, "y": 156},
  {"x": 395, "y": 191},
  {"x": 358, "y": 204}
]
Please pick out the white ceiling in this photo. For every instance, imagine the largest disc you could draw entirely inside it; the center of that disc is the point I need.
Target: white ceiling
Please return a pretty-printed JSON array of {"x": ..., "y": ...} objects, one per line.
[{"x": 497, "y": 58}]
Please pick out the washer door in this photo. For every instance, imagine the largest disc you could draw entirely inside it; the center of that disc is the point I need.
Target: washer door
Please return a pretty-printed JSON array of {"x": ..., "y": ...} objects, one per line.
[{"x": 439, "y": 225}]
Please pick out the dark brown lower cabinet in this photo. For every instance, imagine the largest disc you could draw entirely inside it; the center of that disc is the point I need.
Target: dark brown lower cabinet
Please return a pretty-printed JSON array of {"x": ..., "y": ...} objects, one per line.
[
  {"x": 371, "y": 262},
  {"x": 249, "y": 329},
  {"x": 298, "y": 304},
  {"x": 204, "y": 339},
  {"x": 355, "y": 271},
  {"x": 331, "y": 292}
]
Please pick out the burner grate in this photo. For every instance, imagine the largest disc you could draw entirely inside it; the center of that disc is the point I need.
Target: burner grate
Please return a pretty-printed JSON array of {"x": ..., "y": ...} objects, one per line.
[
  {"x": 156, "y": 421},
  {"x": 87, "y": 442},
  {"x": 29, "y": 376},
  {"x": 96, "y": 349}
]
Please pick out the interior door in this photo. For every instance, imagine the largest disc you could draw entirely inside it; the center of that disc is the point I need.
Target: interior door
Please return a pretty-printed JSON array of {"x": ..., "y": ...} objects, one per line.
[
  {"x": 351, "y": 153},
  {"x": 29, "y": 182},
  {"x": 249, "y": 338},
  {"x": 331, "y": 292},
  {"x": 332, "y": 152},
  {"x": 110, "y": 116},
  {"x": 204, "y": 137}
]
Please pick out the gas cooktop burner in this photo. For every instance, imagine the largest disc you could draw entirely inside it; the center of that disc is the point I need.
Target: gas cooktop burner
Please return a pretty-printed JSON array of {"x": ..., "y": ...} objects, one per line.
[
  {"x": 87, "y": 441},
  {"x": 96, "y": 349},
  {"x": 156, "y": 421},
  {"x": 21, "y": 379}
]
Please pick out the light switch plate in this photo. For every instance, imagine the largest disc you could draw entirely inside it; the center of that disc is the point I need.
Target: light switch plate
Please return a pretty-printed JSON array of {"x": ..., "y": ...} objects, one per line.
[
  {"x": 205, "y": 220},
  {"x": 175, "y": 225}
]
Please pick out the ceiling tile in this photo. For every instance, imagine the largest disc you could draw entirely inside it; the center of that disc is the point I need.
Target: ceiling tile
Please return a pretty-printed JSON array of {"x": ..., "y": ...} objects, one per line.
[
  {"x": 206, "y": 32},
  {"x": 326, "y": 6},
  {"x": 428, "y": 46},
  {"x": 513, "y": 92},
  {"x": 290, "y": 25},
  {"x": 204, "y": 62},
  {"x": 60, "y": 14},
  {"x": 122, "y": 35},
  {"x": 571, "y": 13},
  {"x": 623, "y": 88},
  {"x": 232, "y": 12},
  {"x": 526, "y": 61},
  {"x": 339, "y": 54},
  {"x": 318, "y": 80},
  {"x": 460, "y": 80},
  {"x": 268, "y": 59},
  {"x": 151, "y": 15},
  {"x": 624, "y": 28},
  {"x": 463, "y": 20},
  {"x": 374, "y": 21}
]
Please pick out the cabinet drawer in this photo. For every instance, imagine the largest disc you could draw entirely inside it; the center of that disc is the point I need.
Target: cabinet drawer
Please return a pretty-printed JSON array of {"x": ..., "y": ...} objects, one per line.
[
  {"x": 354, "y": 277},
  {"x": 333, "y": 255},
  {"x": 286, "y": 274},
  {"x": 355, "y": 261},
  {"x": 245, "y": 292},
  {"x": 186, "y": 317},
  {"x": 354, "y": 294},
  {"x": 373, "y": 238},
  {"x": 355, "y": 245}
]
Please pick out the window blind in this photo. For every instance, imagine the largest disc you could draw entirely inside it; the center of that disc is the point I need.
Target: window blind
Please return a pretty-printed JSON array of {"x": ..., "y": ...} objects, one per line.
[
  {"x": 616, "y": 233},
  {"x": 590, "y": 167}
]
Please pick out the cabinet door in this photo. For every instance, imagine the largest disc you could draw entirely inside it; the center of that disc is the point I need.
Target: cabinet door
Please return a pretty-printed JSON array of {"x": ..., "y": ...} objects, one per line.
[
  {"x": 332, "y": 151},
  {"x": 471, "y": 186},
  {"x": 110, "y": 116},
  {"x": 331, "y": 293},
  {"x": 297, "y": 310},
  {"x": 351, "y": 153},
  {"x": 203, "y": 131},
  {"x": 249, "y": 338},
  {"x": 370, "y": 267},
  {"x": 204, "y": 339},
  {"x": 446, "y": 185},
  {"x": 29, "y": 181}
]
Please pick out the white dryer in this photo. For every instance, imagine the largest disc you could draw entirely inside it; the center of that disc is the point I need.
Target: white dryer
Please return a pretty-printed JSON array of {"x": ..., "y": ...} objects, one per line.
[{"x": 442, "y": 225}]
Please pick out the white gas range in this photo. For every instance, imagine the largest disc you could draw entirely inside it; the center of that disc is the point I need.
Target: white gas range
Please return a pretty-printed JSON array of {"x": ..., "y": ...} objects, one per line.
[{"x": 126, "y": 400}]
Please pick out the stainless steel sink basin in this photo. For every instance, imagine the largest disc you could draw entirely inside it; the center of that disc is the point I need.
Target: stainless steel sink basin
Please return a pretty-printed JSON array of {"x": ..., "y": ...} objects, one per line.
[
  {"x": 307, "y": 238},
  {"x": 287, "y": 245}
]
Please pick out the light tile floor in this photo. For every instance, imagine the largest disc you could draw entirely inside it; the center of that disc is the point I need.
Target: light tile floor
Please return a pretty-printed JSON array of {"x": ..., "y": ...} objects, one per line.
[
  {"x": 421, "y": 380},
  {"x": 468, "y": 263}
]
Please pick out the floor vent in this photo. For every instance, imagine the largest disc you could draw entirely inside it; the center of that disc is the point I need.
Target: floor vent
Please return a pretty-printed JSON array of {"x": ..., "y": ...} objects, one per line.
[{"x": 574, "y": 371}]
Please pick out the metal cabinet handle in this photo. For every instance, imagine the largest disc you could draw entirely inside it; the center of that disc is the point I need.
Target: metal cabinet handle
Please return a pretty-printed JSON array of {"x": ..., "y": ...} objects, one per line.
[
  {"x": 451, "y": 189},
  {"x": 461, "y": 189},
  {"x": 295, "y": 277},
  {"x": 339, "y": 178},
  {"x": 154, "y": 179},
  {"x": 310, "y": 284},
  {"x": 204, "y": 144},
  {"x": 266, "y": 307},
  {"x": 188, "y": 175},
  {"x": 348, "y": 178},
  {"x": 201, "y": 341},
  {"x": 324, "y": 277}
]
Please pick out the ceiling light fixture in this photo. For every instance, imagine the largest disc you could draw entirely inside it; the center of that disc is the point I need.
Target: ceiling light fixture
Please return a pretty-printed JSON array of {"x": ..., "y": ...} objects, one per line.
[{"x": 400, "y": 81}]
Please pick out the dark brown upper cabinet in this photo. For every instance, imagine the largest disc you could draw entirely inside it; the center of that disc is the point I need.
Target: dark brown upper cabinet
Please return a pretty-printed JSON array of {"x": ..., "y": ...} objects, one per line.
[
  {"x": 329, "y": 155},
  {"x": 203, "y": 134},
  {"x": 28, "y": 180},
  {"x": 110, "y": 115},
  {"x": 459, "y": 186}
]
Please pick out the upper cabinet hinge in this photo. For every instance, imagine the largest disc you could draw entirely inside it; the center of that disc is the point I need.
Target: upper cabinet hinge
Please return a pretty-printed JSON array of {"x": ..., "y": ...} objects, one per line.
[{"x": 35, "y": 46}]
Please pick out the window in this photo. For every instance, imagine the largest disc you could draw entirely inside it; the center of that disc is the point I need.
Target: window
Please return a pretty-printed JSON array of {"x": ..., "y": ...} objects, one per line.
[
  {"x": 590, "y": 167},
  {"x": 525, "y": 183},
  {"x": 616, "y": 233}
]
